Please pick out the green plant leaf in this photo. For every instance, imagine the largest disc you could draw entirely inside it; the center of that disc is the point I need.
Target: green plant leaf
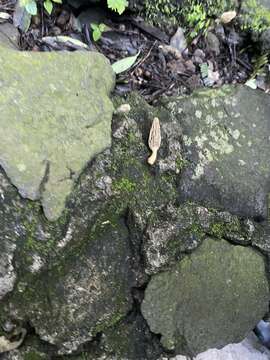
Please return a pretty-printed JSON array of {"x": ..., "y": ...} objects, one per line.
[
  {"x": 21, "y": 18},
  {"x": 97, "y": 30},
  {"x": 117, "y": 5},
  {"x": 96, "y": 34},
  {"x": 124, "y": 64},
  {"x": 102, "y": 27},
  {"x": 94, "y": 26},
  {"x": 252, "y": 83},
  {"x": 31, "y": 7},
  {"x": 57, "y": 1},
  {"x": 48, "y": 6}
]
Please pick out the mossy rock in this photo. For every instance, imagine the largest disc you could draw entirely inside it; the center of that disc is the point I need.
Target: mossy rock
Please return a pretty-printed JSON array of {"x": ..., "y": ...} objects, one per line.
[
  {"x": 225, "y": 133},
  {"x": 76, "y": 280},
  {"x": 55, "y": 138},
  {"x": 211, "y": 298}
]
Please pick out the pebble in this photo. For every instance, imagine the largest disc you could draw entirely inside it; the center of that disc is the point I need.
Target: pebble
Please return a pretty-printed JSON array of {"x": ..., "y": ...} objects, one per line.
[
  {"x": 178, "y": 40},
  {"x": 63, "y": 18},
  {"x": 213, "y": 43},
  {"x": 123, "y": 109}
]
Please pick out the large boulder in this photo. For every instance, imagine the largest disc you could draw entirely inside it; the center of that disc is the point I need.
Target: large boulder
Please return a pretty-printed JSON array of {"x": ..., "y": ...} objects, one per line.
[
  {"x": 226, "y": 138},
  {"x": 209, "y": 299},
  {"x": 55, "y": 109}
]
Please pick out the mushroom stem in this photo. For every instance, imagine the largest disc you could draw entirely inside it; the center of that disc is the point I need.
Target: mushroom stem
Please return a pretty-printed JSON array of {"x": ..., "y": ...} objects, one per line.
[{"x": 152, "y": 159}]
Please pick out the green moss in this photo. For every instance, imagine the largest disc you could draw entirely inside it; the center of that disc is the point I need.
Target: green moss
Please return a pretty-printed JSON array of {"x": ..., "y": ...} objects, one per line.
[
  {"x": 217, "y": 230},
  {"x": 124, "y": 185},
  {"x": 33, "y": 355},
  {"x": 162, "y": 12},
  {"x": 255, "y": 17},
  {"x": 198, "y": 15},
  {"x": 110, "y": 322},
  {"x": 180, "y": 163}
]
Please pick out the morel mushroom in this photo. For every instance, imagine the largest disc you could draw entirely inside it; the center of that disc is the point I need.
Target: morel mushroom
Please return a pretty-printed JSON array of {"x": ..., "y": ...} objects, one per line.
[{"x": 154, "y": 140}]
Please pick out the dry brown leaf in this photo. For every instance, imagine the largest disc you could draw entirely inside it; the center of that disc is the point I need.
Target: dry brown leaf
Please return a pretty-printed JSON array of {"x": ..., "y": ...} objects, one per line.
[
  {"x": 228, "y": 16},
  {"x": 7, "y": 345},
  {"x": 4, "y": 16},
  {"x": 154, "y": 140},
  {"x": 123, "y": 109}
]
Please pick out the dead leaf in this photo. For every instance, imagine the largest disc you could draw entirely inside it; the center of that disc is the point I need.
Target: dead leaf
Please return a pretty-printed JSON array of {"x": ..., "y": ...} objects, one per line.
[
  {"x": 168, "y": 49},
  {"x": 124, "y": 64},
  {"x": 4, "y": 16},
  {"x": 154, "y": 140},
  {"x": 55, "y": 41},
  {"x": 178, "y": 40},
  {"x": 228, "y": 16},
  {"x": 123, "y": 109},
  {"x": 7, "y": 345}
]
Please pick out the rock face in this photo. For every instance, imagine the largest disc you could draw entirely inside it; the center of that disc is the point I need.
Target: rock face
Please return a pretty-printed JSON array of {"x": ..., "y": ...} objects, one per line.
[
  {"x": 187, "y": 304},
  {"x": 76, "y": 284},
  {"x": 43, "y": 116},
  {"x": 226, "y": 137},
  {"x": 85, "y": 293}
]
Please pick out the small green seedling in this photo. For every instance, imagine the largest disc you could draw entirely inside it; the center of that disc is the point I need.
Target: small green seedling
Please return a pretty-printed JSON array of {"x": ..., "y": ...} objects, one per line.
[
  {"x": 117, "y": 5},
  {"x": 31, "y": 5},
  {"x": 97, "y": 31}
]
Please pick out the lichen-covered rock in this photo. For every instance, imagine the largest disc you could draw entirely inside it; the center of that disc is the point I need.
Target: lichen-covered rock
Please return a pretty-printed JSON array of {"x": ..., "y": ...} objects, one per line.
[
  {"x": 211, "y": 298},
  {"x": 78, "y": 282},
  {"x": 79, "y": 296},
  {"x": 226, "y": 137},
  {"x": 32, "y": 350},
  {"x": 9, "y": 35},
  {"x": 10, "y": 234},
  {"x": 89, "y": 258},
  {"x": 174, "y": 231},
  {"x": 57, "y": 118},
  {"x": 132, "y": 339}
]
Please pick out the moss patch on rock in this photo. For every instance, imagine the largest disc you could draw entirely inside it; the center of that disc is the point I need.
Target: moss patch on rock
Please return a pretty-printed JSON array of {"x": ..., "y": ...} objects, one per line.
[
  {"x": 55, "y": 139},
  {"x": 209, "y": 299}
]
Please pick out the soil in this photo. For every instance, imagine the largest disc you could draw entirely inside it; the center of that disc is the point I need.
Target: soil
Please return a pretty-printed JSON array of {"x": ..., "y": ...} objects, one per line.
[{"x": 159, "y": 69}]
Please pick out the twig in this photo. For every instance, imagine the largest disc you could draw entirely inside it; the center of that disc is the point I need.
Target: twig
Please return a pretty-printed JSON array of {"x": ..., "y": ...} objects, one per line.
[
  {"x": 144, "y": 59},
  {"x": 244, "y": 64}
]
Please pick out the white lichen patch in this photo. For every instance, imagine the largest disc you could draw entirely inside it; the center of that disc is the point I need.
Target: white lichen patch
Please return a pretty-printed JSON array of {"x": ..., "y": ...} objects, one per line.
[
  {"x": 205, "y": 157},
  {"x": 235, "y": 133},
  {"x": 187, "y": 141},
  {"x": 198, "y": 114},
  {"x": 37, "y": 263},
  {"x": 234, "y": 102},
  {"x": 220, "y": 114},
  {"x": 179, "y": 111},
  {"x": 214, "y": 103},
  {"x": 62, "y": 243},
  {"x": 241, "y": 162},
  {"x": 21, "y": 167},
  {"x": 218, "y": 140},
  {"x": 200, "y": 140},
  {"x": 210, "y": 120}
]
